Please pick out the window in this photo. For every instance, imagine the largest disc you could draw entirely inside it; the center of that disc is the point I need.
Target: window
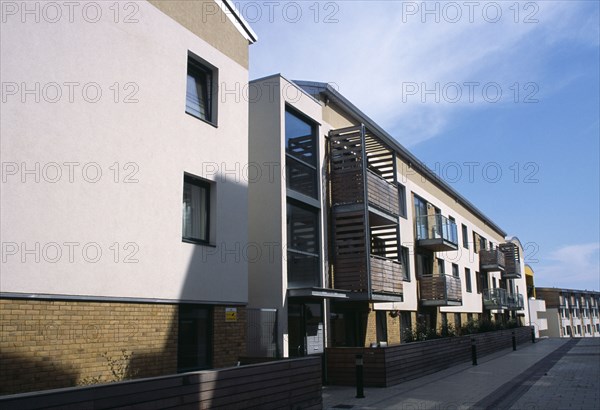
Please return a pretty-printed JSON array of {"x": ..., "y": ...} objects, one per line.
[
  {"x": 404, "y": 255},
  {"x": 441, "y": 267},
  {"x": 465, "y": 236},
  {"x": 381, "y": 326},
  {"x": 301, "y": 154},
  {"x": 194, "y": 343},
  {"x": 303, "y": 250},
  {"x": 455, "y": 270},
  {"x": 476, "y": 243},
  {"x": 196, "y": 200},
  {"x": 482, "y": 281},
  {"x": 482, "y": 243},
  {"x": 199, "y": 92},
  {"x": 495, "y": 283},
  {"x": 402, "y": 199},
  {"x": 468, "y": 279}
]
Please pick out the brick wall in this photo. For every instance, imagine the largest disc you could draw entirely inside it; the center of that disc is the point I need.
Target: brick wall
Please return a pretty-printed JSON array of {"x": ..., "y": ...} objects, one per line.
[
  {"x": 51, "y": 344},
  {"x": 229, "y": 339}
]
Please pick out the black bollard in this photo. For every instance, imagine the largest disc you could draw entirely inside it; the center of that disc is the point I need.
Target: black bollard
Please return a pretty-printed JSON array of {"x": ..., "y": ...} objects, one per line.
[
  {"x": 473, "y": 352},
  {"x": 360, "y": 394},
  {"x": 532, "y": 334},
  {"x": 514, "y": 341}
]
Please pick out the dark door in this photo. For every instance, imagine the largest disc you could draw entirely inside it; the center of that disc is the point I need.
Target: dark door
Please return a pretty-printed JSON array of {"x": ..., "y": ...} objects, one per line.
[{"x": 305, "y": 329}]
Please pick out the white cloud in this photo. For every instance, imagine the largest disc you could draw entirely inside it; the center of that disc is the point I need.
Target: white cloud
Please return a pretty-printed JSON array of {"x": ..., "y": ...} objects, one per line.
[
  {"x": 377, "y": 50},
  {"x": 571, "y": 266}
]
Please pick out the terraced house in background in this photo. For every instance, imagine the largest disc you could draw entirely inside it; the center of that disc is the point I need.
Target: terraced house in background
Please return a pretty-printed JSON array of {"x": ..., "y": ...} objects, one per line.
[
  {"x": 128, "y": 255},
  {"x": 374, "y": 243},
  {"x": 570, "y": 312}
]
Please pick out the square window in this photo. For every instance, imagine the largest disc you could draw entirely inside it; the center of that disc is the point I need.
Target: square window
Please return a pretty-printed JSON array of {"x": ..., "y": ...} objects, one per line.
[
  {"x": 195, "y": 212},
  {"x": 455, "y": 270},
  {"x": 199, "y": 92}
]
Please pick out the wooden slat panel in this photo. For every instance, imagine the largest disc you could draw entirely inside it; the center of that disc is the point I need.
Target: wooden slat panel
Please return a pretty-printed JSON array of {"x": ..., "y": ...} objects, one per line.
[
  {"x": 386, "y": 275},
  {"x": 392, "y": 365},
  {"x": 440, "y": 288},
  {"x": 382, "y": 194},
  {"x": 281, "y": 384}
]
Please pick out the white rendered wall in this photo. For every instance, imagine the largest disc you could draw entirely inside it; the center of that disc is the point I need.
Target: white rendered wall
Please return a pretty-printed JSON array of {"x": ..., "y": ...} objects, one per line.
[{"x": 151, "y": 141}]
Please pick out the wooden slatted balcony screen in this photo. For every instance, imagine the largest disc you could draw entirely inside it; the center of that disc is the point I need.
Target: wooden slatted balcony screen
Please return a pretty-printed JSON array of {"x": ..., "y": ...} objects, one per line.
[
  {"x": 386, "y": 275},
  {"x": 512, "y": 260},
  {"x": 350, "y": 261},
  {"x": 440, "y": 288}
]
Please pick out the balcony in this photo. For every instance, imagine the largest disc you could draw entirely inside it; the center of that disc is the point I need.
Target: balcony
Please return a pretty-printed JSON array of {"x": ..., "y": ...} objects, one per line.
[
  {"x": 512, "y": 261},
  {"x": 491, "y": 260},
  {"x": 515, "y": 301},
  {"x": 495, "y": 298},
  {"x": 386, "y": 275},
  {"x": 382, "y": 194},
  {"x": 362, "y": 171},
  {"x": 436, "y": 233},
  {"x": 440, "y": 290}
]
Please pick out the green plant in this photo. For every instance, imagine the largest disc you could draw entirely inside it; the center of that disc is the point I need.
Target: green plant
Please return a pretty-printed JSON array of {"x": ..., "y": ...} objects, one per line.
[{"x": 120, "y": 369}]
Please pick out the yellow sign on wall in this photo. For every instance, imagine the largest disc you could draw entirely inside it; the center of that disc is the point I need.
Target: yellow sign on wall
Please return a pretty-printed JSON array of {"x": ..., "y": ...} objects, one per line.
[{"x": 231, "y": 314}]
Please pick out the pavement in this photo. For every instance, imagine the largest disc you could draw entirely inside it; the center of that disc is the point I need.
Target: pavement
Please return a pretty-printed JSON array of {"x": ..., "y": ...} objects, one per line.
[{"x": 550, "y": 374}]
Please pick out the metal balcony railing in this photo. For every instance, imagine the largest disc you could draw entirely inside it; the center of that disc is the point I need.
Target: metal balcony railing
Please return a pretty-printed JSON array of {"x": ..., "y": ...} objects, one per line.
[
  {"x": 515, "y": 301},
  {"x": 495, "y": 298},
  {"x": 436, "y": 232}
]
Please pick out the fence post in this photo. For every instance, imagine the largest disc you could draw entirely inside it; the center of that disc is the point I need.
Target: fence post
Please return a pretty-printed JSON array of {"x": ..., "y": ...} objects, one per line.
[
  {"x": 359, "y": 377},
  {"x": 532, "y": 334},
  {"x": 514, "y": 341},
  {"x": 473, "y": 351}
]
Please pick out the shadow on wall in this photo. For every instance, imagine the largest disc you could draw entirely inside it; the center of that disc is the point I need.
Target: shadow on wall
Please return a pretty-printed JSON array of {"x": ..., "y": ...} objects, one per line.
[
  {"x": 48, "y": 344},
  {"x": 20, "y": 371}
]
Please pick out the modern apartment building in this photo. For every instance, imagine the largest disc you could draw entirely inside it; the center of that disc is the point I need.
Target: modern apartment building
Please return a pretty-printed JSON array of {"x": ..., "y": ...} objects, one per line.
[
  {"x": 571, "y": 312},
  {"x": 117, "y": 221},
  {"x": 365, "y": 242}
]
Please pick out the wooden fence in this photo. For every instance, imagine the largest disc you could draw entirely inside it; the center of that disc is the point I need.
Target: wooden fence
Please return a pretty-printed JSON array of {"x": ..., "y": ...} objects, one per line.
[
  {"x": 388, "y": 366},
  {"x": 286, "y": 384}
]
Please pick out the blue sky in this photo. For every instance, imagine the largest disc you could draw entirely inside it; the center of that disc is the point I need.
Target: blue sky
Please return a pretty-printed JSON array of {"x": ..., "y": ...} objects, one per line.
[{"x": 501, "y": 99}]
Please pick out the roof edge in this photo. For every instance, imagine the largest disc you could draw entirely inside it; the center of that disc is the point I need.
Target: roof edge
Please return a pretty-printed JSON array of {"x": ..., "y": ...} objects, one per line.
[
  {"x": 399, "y": 148},
  {"x": 238, "y": 20}
]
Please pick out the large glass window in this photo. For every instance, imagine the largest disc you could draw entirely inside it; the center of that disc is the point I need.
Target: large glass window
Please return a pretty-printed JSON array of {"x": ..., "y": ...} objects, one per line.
[
  {"x": 199, "y": 99},
  {"x": 301, "y": 154},
  {"x": 195, "y": 213},
  {"x": 404, "y": 255},
  {"x": 303, "y": 250}
]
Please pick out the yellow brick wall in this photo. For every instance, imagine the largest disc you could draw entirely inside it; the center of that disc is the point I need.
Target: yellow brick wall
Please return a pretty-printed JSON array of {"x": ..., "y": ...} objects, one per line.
[
  {"x": 393, "y": 329},
  {"x": 51, "y": 344},
  {"x": 229, "y": 338}
]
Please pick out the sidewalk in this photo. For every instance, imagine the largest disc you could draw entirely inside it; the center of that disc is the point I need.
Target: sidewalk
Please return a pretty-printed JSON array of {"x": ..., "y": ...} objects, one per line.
[{"x": 550, "y": 374}]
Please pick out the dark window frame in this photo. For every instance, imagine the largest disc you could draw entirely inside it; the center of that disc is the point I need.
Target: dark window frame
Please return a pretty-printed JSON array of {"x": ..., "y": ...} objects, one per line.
[
  {"x": 402, "y": 210},
  {"x": 202, "y": 183},
  {"x": 465, "y": 236},
  {"x": 292, "y": 159},
  {"x": 405, "y": 260},
  {"x": 207, "y": 74},
  {"x": 468, "y": 284},
  {"x": 455, "y": 270}
]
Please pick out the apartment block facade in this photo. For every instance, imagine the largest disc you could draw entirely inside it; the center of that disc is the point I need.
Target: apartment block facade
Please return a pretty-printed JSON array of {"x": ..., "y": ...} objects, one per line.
[
  {"x": 115, "y": 221},
  {"x": 570, "y": 312},
  {"x": 370, "y": 242}
]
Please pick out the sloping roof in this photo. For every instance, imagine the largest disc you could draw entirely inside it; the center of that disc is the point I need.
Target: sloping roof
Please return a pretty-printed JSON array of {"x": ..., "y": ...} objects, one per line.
[{"x": 315, "y": 88}]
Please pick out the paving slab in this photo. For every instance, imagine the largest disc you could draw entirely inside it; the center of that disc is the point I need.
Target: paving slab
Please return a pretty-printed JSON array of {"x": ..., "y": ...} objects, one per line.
[{"x": 562, "y": 368}]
